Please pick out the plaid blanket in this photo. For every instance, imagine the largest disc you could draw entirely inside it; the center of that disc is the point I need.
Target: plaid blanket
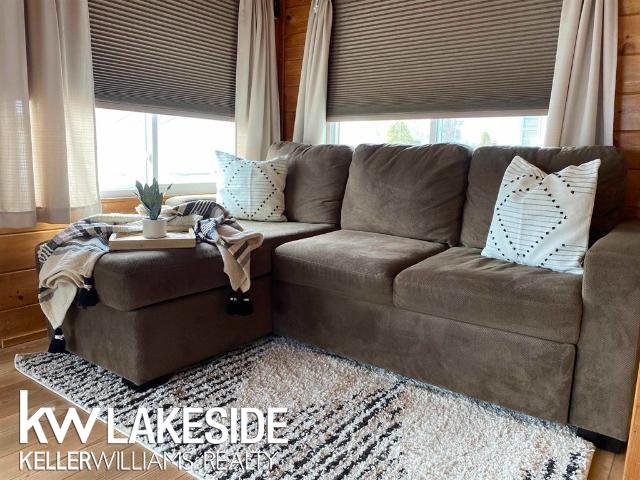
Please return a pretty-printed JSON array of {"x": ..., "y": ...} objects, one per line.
[{"x": 66, "y": 262}]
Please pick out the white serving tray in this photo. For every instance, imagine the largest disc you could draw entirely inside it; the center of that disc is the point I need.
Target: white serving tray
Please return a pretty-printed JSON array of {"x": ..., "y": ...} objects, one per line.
[{"x": 135, "y": 241}]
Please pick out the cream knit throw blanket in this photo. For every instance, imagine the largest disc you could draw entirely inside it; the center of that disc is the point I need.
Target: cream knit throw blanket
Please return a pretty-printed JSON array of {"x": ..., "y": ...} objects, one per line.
[{"x": 66, "y": 261}]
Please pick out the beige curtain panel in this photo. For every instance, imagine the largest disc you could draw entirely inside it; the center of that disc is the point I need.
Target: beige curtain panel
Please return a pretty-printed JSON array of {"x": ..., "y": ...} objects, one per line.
[
  {"x": 47, "y": 126},
  {"x": 311, "y": 112},
  {"x": 257, "y": 110},
  {"x": 581, "y": 107}
]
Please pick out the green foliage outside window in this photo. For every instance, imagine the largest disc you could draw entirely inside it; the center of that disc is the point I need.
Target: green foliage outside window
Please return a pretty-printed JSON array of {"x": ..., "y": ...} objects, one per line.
[{"x": 399, "y": 133}]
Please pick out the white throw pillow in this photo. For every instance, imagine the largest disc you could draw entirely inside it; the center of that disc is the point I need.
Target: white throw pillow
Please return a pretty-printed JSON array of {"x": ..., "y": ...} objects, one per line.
[
  {"x": 252, "y": 190},
  {"x": 543, "y": 219}
]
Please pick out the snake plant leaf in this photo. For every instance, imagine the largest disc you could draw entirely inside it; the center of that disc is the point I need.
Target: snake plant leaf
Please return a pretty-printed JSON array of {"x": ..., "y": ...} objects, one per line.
[{"x": 151, "y": 197}]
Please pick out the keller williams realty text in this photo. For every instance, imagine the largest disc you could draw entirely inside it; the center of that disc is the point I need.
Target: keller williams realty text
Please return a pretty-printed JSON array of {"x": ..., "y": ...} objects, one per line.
[{"x": 122, "y": 461}]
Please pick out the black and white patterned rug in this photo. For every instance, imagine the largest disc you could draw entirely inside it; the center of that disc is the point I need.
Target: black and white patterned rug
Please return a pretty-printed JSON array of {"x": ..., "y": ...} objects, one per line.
[{"x": 345, "y": 420}]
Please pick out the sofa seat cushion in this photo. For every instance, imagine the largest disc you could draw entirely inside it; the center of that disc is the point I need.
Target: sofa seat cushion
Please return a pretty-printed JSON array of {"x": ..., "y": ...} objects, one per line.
[
  {"x": 462, "y": 285},
  {"x": 133, "y": 279},
  {"x": 357, "y": 264}
]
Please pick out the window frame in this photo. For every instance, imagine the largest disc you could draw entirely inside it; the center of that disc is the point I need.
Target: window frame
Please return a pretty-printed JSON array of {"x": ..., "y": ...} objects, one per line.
[
  {"x": 176, "y": 189},
  {"x": 152, "y": 160},
  {"x": 332, "y": 131}
]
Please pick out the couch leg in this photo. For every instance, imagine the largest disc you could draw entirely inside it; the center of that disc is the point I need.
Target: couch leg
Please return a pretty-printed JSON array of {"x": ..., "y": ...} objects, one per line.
[
  {"x": 146, "y": 386},
  {"x": 602, "y": 441}
]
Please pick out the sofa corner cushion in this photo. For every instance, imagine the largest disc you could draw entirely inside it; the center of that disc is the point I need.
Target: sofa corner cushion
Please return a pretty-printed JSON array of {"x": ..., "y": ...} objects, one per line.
[
  {"x": 355, "y": 264},
  {"x": 489, "y": 164},
  {"x": 410, "y": 191},
  {"x": 316, "y": 180},
  {"x": 462, "y": 285}
]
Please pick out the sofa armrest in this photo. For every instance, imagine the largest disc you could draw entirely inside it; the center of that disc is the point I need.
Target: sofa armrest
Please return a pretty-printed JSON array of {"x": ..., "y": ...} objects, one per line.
[{"x": 607, "y": 351}]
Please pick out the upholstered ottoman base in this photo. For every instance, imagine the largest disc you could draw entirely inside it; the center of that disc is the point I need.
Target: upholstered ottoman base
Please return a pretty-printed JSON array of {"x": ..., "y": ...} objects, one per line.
[{"x": 147, "y": 343}]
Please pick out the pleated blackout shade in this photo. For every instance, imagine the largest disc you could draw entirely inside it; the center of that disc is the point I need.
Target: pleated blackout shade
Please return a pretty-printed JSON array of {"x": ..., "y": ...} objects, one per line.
[
  {"x": 172, "y": 56},
  {"x": 390, "y": 57}
]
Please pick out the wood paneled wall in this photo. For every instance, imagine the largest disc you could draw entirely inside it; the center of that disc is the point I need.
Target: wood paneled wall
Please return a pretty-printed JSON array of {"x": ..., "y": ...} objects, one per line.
[
  {"x": 627, "y": 124},
  {"x": 294, "y": 15},
  {"x": 628, "y": 139},
  {"x": 21, "y": 318}
]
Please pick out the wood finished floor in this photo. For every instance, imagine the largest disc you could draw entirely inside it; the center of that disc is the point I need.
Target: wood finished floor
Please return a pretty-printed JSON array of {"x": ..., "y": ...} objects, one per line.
[{"x": 605, "y": 466}]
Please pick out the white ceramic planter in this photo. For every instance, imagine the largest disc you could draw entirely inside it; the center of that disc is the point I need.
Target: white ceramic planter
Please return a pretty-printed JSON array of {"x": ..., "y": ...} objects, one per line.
[{"x": 154, "y": 228}]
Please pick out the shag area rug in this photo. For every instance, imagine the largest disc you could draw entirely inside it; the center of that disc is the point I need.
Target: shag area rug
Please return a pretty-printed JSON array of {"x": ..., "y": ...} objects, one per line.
[{"x": 345, "y": 420}]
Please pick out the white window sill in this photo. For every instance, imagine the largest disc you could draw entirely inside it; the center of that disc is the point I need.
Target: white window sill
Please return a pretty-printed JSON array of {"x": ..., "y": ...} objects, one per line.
[{"x": 176, "y": 189}]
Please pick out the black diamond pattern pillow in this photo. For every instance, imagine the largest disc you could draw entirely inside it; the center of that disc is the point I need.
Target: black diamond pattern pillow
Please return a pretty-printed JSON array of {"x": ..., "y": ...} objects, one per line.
[
  {"x": 252, "y": 190},
  {"x": 543, "y": 219}
]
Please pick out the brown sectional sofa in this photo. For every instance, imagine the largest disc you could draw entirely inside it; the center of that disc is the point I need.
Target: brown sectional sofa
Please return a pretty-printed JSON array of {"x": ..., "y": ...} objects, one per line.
[
  {"x": 403, "y": 286},
  {"x": 380, "y": 261}
]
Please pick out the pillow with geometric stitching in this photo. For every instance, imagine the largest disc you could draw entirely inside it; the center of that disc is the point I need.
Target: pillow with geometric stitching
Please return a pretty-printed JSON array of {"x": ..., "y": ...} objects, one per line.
[
  {"x": 541, "y": 219},
  {"x": 252, "y": 190}
]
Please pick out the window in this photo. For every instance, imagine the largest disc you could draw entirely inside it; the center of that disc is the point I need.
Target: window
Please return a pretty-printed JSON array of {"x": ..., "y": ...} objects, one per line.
[
  {"x": 474, "y": 132},
  {"x": 176, "y": 150}
]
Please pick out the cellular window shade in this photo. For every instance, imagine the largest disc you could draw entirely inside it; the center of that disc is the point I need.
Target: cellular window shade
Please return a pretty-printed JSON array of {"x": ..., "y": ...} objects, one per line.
[
  {"x": 428, "y": 57},
  {"x": 177, "y": 56}
]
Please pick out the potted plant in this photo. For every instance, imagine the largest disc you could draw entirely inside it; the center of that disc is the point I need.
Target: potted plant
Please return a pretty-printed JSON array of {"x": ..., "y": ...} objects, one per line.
[{"x": 154, "y": 226}]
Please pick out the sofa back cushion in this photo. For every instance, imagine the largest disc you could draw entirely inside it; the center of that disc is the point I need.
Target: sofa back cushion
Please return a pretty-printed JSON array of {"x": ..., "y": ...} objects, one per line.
[
  {"x": 407, "y": 191},
  {"x": 489, "y": 164},
  {"x": 316, "y": 180}
]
